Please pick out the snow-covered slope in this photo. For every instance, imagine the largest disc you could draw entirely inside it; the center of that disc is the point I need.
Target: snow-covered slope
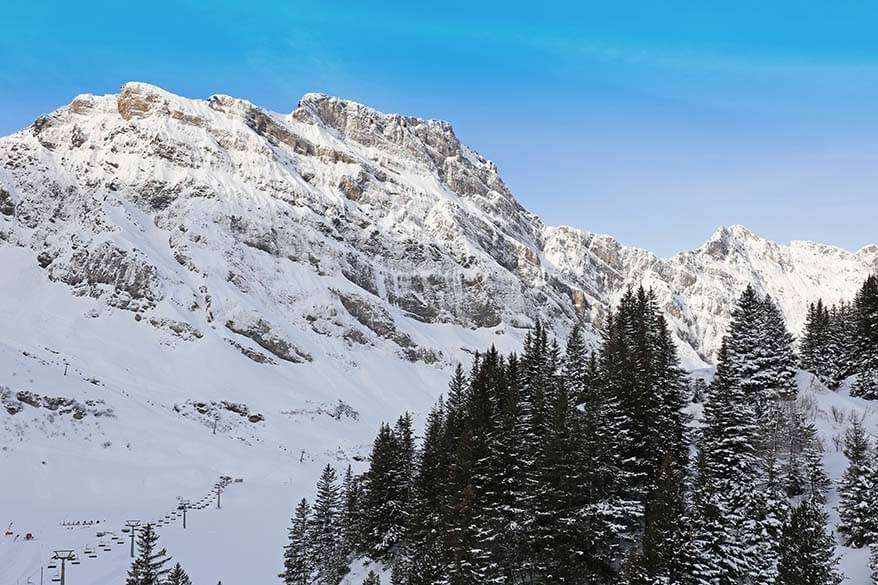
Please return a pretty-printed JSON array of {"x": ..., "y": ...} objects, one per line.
[{"x": 290, "y": 281}]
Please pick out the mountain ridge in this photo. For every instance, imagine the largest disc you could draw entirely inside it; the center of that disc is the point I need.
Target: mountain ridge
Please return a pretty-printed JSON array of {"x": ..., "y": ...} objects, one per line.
[{"x": 389, "y": 220}]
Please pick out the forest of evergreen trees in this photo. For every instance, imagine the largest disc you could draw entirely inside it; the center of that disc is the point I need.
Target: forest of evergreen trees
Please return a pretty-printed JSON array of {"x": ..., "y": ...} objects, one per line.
[
  {"x": 561, "y": 465},
  {"x": 842, "y": 340}
]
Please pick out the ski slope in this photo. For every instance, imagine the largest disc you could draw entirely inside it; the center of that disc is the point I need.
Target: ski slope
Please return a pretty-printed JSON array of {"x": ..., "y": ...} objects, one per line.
[{"x": 137, "y": 463}]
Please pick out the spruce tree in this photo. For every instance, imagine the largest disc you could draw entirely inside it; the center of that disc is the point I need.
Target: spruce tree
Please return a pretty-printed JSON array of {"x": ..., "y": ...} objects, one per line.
[
  {"x": 841, "y": 350},
  {"x": 384, "y": 496},
  {"x": 766, "y": 513},
  {"x": 351, "y": 494},
  {"x": 814, "y": 350},
  {"x": 728, "y": 458},
  {"x": 177, "y": 576},
  {"x": 473, "y": 556},
  {"x": 326, "y": 535},
  {"x": 505, "y": 499},
  {"x": 660, "y": 558},
  {"x": 405, "y": 465},
  {"x": 538, "y": 376},
  {"x": 372, "y": 579},
  {"x": 855, "y": 510},
  {"x": 559, "y": 497},
  {"x": 807, "y": 552},
  {"x": 803, "y": 469},
  {"x": 743, "y": 347},
  {"x": 423, "y": 547},
  {"x": 866, "y": 316},
  {"x": 299, "y": 553},
  {"x": 148, "y": 568},
  {"x": 777, "y": 361}
]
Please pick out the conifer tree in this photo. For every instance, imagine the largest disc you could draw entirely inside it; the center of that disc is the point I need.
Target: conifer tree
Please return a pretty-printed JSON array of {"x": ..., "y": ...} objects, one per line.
[
  {"x": 607, "y": 513},
  {"x": 777, "y": 361},
  {"x": 866, "y": 315},
  {"x": 807, "y": 552},
  {"x": 538, "y": 376},
  {"x": 177, "y": 576},
  {"x": 855, "y": 510},
  {"x": 506, "y": 502},
  {"x": 660, "y": 557},
  {"x": 842, "y": 350},
  {"x": 372, "y": 579},
  {"x": 803, "y": 469},
  {"x": 148, "y": 568},
  {"x": 474, "y": 548},
  {"x": 326, "y": 536},
  {"x": 405, "y": 465},
  {"x": 423, "y": 548},
  {"x": 299, "y": 553},
  {"x": 814, "y": 350},
  {"x": 767, "y": 512},
  {"x": 559, "y": 499},
  {"x": 351, "y": 494},
  {"x": 728, "y": 462},
  {"x": 384, "y": 496},
  {"x": 743, "y": 346}
]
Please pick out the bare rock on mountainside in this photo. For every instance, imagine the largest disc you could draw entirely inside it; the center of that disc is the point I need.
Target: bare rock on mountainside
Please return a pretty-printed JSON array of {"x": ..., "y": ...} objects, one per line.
[{"x": 195, "y": 212}]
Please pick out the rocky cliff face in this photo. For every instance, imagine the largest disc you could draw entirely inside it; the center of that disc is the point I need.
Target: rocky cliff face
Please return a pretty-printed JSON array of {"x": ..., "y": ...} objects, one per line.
[{"x": 297, "y": 237}]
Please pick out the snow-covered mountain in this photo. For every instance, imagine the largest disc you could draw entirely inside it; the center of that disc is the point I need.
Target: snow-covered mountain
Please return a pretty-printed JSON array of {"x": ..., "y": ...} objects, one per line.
[
  {"x": 298, "y": 237},
  {"x": 201, "y": 287}
]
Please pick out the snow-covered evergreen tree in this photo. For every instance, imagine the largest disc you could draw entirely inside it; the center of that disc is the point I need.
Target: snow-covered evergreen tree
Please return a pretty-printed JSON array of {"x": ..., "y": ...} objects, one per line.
[
  {"x": 351, "y": 494},
  {"x": 803, "y": 469},
  {"x": 423, "y": 548},
  {"x": 857, "y": 520},
  {"x": 405, "y": 465},
  {"x": 326, "y": 533},
  {"x": 807, "y": 552},
  {"x": 299, "y": 553},
  {"x": 661, "y": 556},
  {"x": 866, "y": 315},
  {"x": 777, "y": 361},
  {"x": 177, "y": 576},
  {"x": 384, "y": 496},
  {"x": 842, "y": 348},
  {"x": 739, "y": 499},
  {"x": 814, "y": 350},
  {"x": 148, "y": 568}
]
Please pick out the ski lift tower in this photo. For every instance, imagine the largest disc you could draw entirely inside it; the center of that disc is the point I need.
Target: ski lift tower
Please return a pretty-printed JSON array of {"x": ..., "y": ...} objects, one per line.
[
  {"x": 132, "y": 525},
  {"x": 184, "y": 505},
  {"x": 63, "y": 556}
]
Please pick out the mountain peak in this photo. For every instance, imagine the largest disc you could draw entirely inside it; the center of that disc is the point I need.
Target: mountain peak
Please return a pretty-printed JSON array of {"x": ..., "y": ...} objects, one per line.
[
  {"x": 356, "y": 120},
  {"x": 734, "y": 231},
  {"x": 725, "y": 238},
  {"x": 140, "y": 100}
]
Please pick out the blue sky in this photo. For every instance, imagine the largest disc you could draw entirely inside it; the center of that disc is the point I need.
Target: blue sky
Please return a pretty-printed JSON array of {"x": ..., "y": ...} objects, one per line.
[{"x": 652, "y": 121}]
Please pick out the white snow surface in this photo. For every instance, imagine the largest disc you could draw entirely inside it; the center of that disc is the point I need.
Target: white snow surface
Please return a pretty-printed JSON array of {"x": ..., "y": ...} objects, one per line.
[{"x": 150, "y": 243}]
